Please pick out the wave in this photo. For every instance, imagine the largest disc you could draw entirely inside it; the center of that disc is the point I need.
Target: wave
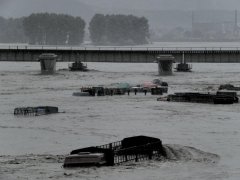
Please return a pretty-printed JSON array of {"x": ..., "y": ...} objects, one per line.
[
  {"x": 177, "y": 152},
  {"x": 29, "y": 128}
]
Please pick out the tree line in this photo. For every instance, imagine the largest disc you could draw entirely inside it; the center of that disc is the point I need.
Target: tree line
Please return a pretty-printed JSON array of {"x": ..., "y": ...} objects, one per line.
[
  {"x": 11, "y": 30},
  {"x": 61, "y": 29},
  {"x": 119, "y": 29},
  {"x": 57, "y": 29}
]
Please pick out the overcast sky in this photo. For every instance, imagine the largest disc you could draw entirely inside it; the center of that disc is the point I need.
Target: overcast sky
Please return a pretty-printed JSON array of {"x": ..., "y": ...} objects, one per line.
[
  {"x": 14, "y": 8},
  {"x": 167, "y": 4}
]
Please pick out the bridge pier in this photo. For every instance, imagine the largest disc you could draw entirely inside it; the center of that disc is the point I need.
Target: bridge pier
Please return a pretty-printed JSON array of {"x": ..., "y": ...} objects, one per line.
[
  {"x": 183, "y": 66},
  {"x": 165, "y": 63},
  {"x": 48, "y": 63}
]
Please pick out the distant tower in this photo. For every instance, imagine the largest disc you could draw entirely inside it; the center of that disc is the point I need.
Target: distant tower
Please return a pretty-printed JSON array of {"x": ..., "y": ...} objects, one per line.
[
  {"x": 193, "y": 21},
  {"x": 236, "y": 29}
]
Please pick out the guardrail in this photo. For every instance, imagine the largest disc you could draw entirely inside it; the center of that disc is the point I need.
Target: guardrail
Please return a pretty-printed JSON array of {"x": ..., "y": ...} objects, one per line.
[{"x": 116, "y": 48}]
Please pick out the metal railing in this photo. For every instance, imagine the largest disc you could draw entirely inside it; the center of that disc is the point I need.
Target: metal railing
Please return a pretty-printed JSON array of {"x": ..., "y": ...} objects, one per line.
[
  {"x": 117, "y": 48},
  {"x": 138, "y": 153},
  {"x": 135, "y": 153}
]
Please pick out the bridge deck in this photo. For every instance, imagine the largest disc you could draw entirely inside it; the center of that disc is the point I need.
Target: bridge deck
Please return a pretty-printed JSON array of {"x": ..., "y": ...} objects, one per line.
[{"x": 121, "y": 54}]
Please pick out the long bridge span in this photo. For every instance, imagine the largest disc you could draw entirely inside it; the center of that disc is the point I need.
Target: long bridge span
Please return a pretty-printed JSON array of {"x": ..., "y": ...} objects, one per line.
[{"x": 123, "y": 54}]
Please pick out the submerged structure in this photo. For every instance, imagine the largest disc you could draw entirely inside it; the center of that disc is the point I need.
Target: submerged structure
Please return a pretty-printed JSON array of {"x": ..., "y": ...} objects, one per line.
[
  {"x": 183, "y": 66},
  {"x": 155, "y": 87},
  {"x": 229, "y": 87},
  {"x": 35, "y": 111},
  {"x": 78, "y": 66},
  {"x": 48, "y": 63},
  {"x": 165, "y": 63},
  {"x": 158, "y": 91},
  {"x": 135, "y": 148},
  {"x": 195, "y": 97},
  {"x": 100, "y": 91}
]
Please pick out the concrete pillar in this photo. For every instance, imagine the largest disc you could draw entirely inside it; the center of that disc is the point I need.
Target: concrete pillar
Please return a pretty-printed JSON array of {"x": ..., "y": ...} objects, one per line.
[
  {"x": 48, "y": 63},
  {"x": 165, "y": 64}
]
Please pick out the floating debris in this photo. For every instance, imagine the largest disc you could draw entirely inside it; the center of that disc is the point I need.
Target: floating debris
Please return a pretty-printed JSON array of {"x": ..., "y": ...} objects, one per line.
[
  {"x": 35, "y": 111},
  {"x": 135, "y": 148}
]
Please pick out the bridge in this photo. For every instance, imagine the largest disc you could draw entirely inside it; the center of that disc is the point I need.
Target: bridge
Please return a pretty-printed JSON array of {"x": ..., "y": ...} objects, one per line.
[{"x": 123, "y": 54}]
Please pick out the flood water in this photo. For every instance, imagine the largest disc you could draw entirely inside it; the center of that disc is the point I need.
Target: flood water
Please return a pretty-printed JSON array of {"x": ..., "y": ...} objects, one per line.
[{"x": 203, "y": 137}]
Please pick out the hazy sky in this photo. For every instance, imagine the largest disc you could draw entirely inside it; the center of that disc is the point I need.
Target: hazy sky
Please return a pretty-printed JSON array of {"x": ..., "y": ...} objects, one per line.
[
  {"x": 13, "y": 8},
  {"x": 86, "y": 8},
  {"x": 18, "y": 8},
  {"x": 167, "y": 4}
]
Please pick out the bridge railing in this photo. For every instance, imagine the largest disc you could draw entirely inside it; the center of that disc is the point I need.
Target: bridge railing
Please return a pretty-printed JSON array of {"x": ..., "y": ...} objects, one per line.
[{"x": 116, "y": 48}]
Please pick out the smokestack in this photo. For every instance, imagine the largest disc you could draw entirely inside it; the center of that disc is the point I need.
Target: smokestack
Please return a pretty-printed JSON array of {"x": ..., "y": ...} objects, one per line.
[
  {"x": 236, "y": 18},
  {"x": 236, "y": 30},
  {"x": 192, "y": 20}
]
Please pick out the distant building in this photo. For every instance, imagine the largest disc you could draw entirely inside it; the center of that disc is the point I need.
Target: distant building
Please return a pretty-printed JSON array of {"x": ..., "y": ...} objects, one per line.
[{"x": 213, "y": 29}]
